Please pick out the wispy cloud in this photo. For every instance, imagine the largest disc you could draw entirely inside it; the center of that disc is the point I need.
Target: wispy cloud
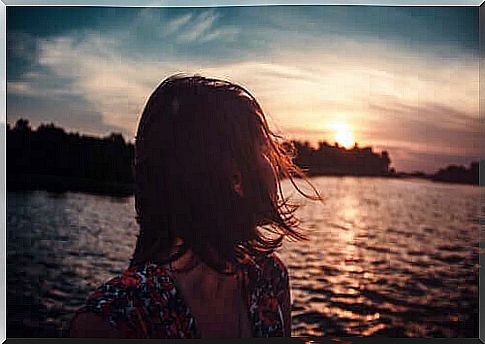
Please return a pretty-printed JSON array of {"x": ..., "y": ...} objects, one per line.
[
  {"x": 199, "y": 27},
  {"x": 188, "y": 28},
  {"x": 177, "y": 23},
  {"x": 202, "y": 28}
]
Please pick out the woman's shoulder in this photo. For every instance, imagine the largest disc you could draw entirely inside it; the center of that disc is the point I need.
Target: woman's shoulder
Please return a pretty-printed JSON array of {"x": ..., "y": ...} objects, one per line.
[
  {"x": 267, "y": 290},
  {"x": 133, "y": 281},
  {"x": 121, "y": 300}
]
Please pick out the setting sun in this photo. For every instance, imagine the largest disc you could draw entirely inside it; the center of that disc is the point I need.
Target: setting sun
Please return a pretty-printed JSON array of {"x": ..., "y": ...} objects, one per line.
[{"x": 343, "y": 136}]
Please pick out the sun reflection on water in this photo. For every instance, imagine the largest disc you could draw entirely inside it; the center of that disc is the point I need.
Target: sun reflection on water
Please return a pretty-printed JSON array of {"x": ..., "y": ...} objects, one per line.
[{"x": 374, "y": 258}]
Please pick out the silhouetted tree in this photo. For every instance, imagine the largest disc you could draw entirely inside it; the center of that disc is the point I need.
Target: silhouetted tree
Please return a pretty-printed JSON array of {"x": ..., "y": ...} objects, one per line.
[{"x": 22, "y": 125}]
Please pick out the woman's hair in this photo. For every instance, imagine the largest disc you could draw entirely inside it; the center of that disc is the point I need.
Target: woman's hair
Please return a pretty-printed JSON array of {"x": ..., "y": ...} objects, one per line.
[{"x": 192, "y": 133}]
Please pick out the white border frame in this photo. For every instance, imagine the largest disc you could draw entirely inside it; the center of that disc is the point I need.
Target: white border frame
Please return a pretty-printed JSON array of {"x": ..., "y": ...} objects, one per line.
[{"x": 146, "y": 3}]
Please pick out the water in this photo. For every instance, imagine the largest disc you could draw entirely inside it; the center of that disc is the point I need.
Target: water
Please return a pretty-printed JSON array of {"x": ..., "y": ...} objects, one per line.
[{"x": 385, "y": 257}]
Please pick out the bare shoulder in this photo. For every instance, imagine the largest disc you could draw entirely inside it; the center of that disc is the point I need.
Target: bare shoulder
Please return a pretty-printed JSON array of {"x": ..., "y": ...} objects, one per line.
[{"x": 91, "y": 325}]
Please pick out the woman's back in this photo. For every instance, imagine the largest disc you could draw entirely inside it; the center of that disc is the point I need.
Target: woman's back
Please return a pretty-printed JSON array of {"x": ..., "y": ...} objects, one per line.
[
  {"x": 215, "y": 300},
  {"x": 151, "y": 301}
]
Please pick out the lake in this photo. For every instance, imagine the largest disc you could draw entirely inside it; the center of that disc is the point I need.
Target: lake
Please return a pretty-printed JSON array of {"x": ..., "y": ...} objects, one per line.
[{"x": 385, "y": 257}]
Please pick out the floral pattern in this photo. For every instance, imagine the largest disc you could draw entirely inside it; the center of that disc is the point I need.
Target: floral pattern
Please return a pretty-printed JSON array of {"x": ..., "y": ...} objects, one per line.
[{"x": 143, "y": 302}]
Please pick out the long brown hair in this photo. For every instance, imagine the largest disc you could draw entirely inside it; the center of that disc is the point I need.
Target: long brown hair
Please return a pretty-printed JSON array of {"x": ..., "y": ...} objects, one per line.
[{"x": 192, "y": 131}]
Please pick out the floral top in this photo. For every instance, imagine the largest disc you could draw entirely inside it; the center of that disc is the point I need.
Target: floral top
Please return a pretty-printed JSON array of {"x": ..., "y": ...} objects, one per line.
[{"x": 144, "y": 302}]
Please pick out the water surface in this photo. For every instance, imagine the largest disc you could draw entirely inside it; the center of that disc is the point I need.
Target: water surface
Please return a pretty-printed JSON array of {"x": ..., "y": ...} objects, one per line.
[{"x": 387, "y": 257}]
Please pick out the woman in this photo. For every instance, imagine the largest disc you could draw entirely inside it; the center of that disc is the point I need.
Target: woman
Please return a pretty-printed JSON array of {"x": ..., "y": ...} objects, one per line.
[{"x": 211, "y": 214}]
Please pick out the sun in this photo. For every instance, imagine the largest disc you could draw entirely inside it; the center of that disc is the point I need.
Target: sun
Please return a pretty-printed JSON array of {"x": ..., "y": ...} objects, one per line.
[{"x": 342, "y": 135}]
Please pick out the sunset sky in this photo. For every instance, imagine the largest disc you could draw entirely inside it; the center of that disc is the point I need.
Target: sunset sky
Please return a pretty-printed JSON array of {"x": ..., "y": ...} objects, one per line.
[{"x": 403, "y": 79}]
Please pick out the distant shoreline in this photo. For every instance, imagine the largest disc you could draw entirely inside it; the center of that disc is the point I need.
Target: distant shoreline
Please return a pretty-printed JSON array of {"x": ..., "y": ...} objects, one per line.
[{"x": 60, "y": 184}]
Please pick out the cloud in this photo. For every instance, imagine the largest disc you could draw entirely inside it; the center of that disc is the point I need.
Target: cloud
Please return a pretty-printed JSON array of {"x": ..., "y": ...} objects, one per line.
[
  {"x": 177, "y": 23},
  {"x": 201, "y": 25},
  {"x": 388, "y": 96},
  {"x": 195, "y": 27},
  {"x": 90, "y": 70},
  {"x": 202, "y": 28}
]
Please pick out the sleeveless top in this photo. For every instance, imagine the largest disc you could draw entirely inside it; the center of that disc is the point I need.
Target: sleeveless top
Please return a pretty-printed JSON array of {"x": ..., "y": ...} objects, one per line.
[{"x": 144, "y": 301}]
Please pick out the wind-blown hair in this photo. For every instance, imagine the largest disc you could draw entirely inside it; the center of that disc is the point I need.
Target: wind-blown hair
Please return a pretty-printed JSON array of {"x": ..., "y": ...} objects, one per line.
[{"x": 192, "y": 131}]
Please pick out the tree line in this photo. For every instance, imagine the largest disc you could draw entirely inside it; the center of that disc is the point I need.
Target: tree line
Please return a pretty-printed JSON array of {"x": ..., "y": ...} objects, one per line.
[
  {"x": 53, "y": 159},
  {"x": 50, "y": 158}
]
